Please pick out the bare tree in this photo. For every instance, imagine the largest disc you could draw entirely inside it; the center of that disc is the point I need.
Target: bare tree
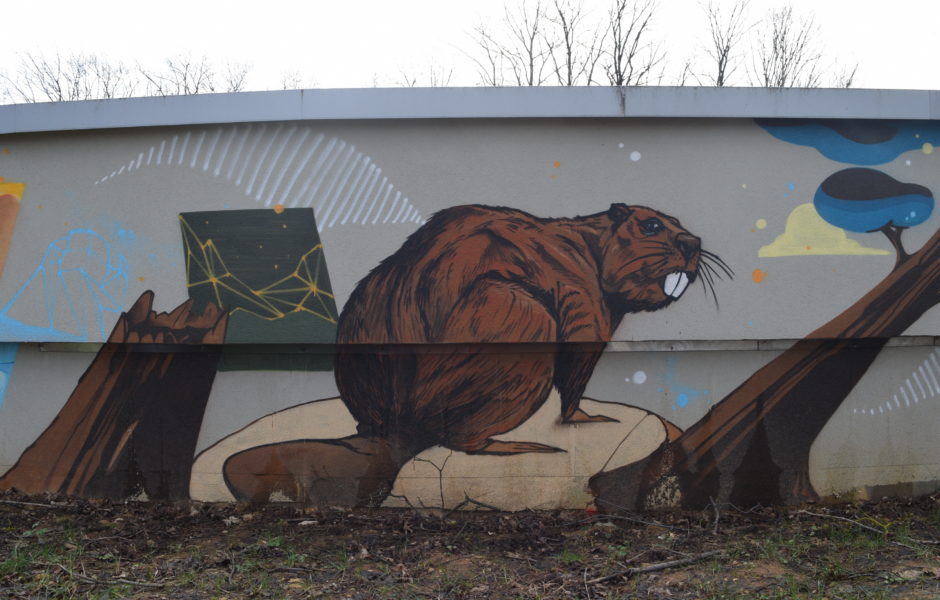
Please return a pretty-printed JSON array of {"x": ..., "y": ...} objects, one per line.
[
  {"x": 525, "y": 52},
  {"x": 528, "y": 51},
  {"x": 559, "y": 43},
  {"x": 490, "y": 64},
  {"x": 845, "y": 77},
  {"x": 726, "y": 31},
  {"x": 437, "y": 76},
  {"x": 58, "y": 78},
  {"x": 185, "y": 75},
  {"x": 294, "y": 80},
  {"x": 235, "y": 77},
  {"x": 575, "y": 53},
  {"x": 786, "y": 52},
  {"x": 631, "y": 57}
]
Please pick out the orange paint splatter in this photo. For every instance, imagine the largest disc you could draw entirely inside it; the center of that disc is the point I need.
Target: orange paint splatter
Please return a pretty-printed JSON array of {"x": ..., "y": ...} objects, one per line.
[
  {"x": 1, "y": 179},
  {"x": 556, "y": 164},
  {"x": 809, "y": 247},
  {"x": 758, "y": 275},
  {"x": 140, "y": 279},
  {"x": 278, "y": 208}
]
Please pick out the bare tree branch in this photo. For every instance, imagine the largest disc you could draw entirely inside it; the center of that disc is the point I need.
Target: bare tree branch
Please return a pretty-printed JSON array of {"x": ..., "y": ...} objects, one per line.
[
  {"x": 845, "y": 77},
  {"x": 786, "y": 53},
  {"x": 437, "y": 76},
  {"x": 235, "y": 77},
  {"x": 631, "y": 59},
  {"x": 490, "y": 65},
  {"x": 40, "y": 78},
  {"x": 574, "y": 60},
  {"x": 726, "y": 30},
  {"x": 181, "y": 76},
  {"x": 523, "y": 53}
]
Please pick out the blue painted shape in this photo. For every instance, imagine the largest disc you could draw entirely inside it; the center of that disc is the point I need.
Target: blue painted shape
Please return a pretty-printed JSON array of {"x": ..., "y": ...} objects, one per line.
[
  {"x": 7, "y": 358},
  {"x": 910, "y": 135},
  {"x": 82, "y": 282},
  {"x": 684, "y": 394},
  {"x": 868, "y": 215}
]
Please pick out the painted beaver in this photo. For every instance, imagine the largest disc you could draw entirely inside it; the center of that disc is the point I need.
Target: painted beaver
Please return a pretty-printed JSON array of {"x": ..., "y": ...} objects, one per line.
[{"x": 461, "y": 334}]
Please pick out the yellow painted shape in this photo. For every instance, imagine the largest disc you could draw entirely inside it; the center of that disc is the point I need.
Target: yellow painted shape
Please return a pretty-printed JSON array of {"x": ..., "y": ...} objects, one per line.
[
  {"x": 14, "y": 189},
  {"x": 10, "y": 196},
  {"x": 806, "y": 234}
]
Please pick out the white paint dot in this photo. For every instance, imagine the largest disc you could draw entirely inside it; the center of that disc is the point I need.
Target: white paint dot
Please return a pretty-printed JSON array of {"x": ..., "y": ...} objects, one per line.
[
  {"x": 620, "y": 145},
  {"x": 639, "y": 377},
  {"x": 907, "y": 162},
  {"x": 635, "y": 156}
]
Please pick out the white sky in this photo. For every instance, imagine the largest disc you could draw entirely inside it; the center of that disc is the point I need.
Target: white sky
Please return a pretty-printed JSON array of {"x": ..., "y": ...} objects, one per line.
[{"x": 361, "y": 43}]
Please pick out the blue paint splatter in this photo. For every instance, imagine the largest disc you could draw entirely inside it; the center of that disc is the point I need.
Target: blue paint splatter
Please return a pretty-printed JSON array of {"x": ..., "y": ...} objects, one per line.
[
  {"x": 791, "y": 186},
  {"x": 684, "y": 393},
  {"x": 80, "y": 285},
  {"x": 7, "y": 358}
]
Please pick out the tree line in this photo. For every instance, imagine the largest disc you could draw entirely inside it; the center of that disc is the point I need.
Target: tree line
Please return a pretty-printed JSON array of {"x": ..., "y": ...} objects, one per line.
[
  {"x": 557, "y": 42},
  {"x": 533, "y": 43}
]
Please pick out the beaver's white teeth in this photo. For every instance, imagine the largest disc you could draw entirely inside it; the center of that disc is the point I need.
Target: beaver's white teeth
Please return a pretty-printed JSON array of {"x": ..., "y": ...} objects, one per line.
[{"x": 675, "y": 284}]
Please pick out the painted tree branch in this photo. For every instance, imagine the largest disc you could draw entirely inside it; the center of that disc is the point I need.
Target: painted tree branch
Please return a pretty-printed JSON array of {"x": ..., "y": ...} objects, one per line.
[
  {"x": 755, "y": 443},
  {"x": 133, "y": 420}
]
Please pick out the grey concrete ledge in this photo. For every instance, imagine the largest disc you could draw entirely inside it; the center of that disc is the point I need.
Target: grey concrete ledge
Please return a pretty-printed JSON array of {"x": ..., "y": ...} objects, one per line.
[{"x": 471, "y": 103}]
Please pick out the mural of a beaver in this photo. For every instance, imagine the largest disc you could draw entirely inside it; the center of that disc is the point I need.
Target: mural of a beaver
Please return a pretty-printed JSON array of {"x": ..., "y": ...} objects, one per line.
[{"x": 461, "y": 334}]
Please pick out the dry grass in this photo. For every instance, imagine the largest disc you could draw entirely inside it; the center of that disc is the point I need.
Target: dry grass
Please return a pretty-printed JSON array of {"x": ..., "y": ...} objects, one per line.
[{"x": 55, "y": 548}]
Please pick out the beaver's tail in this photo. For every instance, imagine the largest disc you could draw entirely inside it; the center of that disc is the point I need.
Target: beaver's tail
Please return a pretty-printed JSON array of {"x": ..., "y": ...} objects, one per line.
[{"x": 351, "y": 471}]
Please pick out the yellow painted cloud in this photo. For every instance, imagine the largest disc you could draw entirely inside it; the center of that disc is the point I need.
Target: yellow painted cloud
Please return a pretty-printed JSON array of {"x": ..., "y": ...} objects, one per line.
[{"x": 806, "y": 234}]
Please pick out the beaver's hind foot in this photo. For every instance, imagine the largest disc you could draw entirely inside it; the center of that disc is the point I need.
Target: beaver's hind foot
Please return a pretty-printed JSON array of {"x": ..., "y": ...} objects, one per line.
[
  {"x": 579, "y": 416},
  {"x": 500, "y": 448}
]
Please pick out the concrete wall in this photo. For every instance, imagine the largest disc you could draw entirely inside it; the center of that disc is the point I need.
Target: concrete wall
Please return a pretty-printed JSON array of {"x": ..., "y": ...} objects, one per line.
[{"x": 180, "y": 316}]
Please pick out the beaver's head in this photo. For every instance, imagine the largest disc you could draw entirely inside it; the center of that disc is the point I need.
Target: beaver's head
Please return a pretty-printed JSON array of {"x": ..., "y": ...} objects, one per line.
[{"x": 648, "y": 258}]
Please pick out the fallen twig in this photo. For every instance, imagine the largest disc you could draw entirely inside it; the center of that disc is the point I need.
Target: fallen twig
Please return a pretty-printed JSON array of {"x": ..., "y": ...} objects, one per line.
[
  {"x": 655, "y": 567},
  {"x": 96, "y": 581},
  {"x": 291, "y": 570},
  {"x": 37, "y": 504},
  {"x": 882, "y": 532},
  {"x": 468, "y": 500},
  {"x": 717, "y": 516}
]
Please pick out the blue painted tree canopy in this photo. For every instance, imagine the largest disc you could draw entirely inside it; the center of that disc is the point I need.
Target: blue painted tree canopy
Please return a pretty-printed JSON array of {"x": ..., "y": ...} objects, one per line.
[
  {"x": 860, "y": 142},
  {"x": 862, "y": 200}
]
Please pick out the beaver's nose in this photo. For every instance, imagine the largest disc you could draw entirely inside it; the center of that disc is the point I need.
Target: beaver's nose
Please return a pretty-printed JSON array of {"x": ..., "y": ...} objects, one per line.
[{"x": 688, "y": 245}]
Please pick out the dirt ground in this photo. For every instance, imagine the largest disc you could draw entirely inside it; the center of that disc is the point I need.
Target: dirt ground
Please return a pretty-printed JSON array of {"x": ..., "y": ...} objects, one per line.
[{"x": 59, "y": 548}]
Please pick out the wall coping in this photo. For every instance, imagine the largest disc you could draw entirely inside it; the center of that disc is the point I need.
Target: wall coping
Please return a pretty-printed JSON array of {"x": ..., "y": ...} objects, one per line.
[{"x": 471, "y": 103}]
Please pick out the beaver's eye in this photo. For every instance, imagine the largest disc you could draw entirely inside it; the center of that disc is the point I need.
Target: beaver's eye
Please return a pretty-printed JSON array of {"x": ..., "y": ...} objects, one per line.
[{"x": 651, "y": 226}]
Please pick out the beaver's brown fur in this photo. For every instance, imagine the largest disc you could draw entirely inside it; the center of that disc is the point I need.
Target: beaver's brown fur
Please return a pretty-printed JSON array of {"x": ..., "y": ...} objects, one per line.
[
  {"x": 489, "y": 276},
  {"x": 461, "y": 334}
]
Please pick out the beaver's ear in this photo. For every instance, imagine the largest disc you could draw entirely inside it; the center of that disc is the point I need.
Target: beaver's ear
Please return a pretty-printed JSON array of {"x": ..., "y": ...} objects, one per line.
[{"x": 619, "y": 212}]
